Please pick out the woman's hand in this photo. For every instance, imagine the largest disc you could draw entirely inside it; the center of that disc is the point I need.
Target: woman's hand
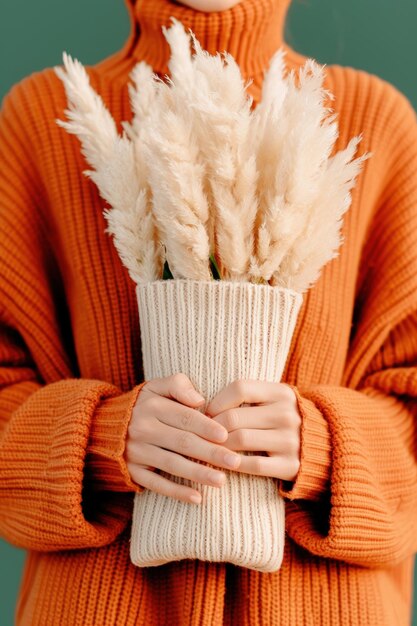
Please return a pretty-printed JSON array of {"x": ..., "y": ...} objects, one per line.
[
  {"x": 273, "y": 426},
  {"x": 164, "y": 426}
]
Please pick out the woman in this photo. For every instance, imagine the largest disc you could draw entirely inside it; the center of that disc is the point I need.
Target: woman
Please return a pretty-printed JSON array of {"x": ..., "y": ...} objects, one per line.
[{"x": 75, "y": 413}]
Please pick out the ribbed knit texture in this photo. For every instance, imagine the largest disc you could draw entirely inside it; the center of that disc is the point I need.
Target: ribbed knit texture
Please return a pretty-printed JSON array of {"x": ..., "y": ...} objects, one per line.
[
  {"x": 215, "y": 332},
  {"x": 70, "y": 355}
]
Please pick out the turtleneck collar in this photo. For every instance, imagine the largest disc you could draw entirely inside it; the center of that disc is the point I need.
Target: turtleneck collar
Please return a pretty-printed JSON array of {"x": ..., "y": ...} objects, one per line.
[{"x": 251, "y": 31}]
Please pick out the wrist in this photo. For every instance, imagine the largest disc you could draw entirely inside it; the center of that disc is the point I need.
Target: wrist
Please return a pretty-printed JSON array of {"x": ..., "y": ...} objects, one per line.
[
  {"x": 105, "y": 460},
  {"x": 313, "y": 477}
]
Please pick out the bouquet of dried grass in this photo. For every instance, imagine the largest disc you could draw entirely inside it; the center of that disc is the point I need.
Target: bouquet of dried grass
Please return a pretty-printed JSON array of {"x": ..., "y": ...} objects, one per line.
[{"x": 240, "y": 208}]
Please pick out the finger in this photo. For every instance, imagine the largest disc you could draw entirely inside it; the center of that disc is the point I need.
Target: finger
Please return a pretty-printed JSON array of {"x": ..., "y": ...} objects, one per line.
[
  {"x": 177, "y": 465},
  {"x": 265, "y": 440},
  {"x": 264, "y": 416},
  {"x": 159, "y": 484},
  {"x": 247, "y": 390},
  {"x": 179, "y": 387},
  {"x": 280, "y": 467},
  {"x": 179, "y": 416},
  {"x": 192, "y": 445}
]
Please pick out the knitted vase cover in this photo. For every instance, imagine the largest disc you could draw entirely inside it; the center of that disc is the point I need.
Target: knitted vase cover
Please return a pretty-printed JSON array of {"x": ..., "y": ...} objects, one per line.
[{"x": 215, "y": 332}]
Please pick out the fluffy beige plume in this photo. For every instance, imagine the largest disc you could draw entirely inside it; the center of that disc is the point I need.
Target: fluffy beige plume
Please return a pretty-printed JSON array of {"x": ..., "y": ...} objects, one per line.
[
  {"x": 197, "y": 168},
  {"x": 294, "y": 139},
  {"x": 176, "y": 176},
  {"x": 224, "y": 122},
  {"x": 213, "y": 92},
  {"x": 143, "y": 97},
  {"x": 185, "y": 90},
  {"x": 143, "y": 93},
  {"x": 86, "y": 113},
  {"x": 274, "y": 89},
  {"x": 173, "y": 161},
  {"x": 321, "y": 236},
  {"x": 113, "y": 159}
]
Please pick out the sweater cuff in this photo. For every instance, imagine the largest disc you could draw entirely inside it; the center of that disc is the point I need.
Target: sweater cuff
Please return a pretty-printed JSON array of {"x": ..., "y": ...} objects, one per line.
[
  {"x": 313, "y": 477},
  {"x": 105, "y": 461}
]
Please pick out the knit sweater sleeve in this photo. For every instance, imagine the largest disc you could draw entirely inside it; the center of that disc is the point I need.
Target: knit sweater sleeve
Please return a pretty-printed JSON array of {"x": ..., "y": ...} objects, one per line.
[
  {"x": 355, "y": 496},
  {"x": 64, "y": 482}
]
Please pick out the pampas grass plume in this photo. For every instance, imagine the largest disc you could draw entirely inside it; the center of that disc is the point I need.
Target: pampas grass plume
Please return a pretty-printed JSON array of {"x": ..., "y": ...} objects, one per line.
[
  {"x": 113, "y": 158},
  {"x": 198, "y": 173}
]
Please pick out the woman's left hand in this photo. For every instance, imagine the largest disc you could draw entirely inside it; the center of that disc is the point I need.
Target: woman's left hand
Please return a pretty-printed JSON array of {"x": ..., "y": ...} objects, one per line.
[{"x": 272, "y": 425}]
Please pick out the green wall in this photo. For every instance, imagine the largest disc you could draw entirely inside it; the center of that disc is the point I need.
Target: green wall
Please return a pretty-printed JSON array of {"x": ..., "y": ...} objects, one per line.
[{"x": 377, "y": 35}]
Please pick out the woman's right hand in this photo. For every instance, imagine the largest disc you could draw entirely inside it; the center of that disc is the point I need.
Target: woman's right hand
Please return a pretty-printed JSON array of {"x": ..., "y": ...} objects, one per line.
[{"x": 165, "y": 425}]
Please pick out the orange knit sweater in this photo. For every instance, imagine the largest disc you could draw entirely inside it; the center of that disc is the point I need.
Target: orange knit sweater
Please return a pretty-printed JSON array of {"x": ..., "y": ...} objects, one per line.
[{"x": 70, "y": 369}]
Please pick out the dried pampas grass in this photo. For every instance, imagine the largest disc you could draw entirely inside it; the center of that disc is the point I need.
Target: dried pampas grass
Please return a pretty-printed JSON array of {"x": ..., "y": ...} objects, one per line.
[
  {"x": 212, "y": 92},
  {"x": 303, "y": 193},
  {"x": 204, "y": 177},
  {"x": 176, "y": 175},
  {"x": 112, "y": 156}
]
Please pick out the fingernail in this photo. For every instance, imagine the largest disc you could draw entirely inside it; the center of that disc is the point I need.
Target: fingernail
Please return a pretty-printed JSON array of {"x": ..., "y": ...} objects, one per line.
[
  {"x": 221, "y": 433},
  {"x": 232, "y": 460},
  {"x": 217, "y": 477},
  {"x": 194, "y": 396},
  {"x": 196, "y": 499}
]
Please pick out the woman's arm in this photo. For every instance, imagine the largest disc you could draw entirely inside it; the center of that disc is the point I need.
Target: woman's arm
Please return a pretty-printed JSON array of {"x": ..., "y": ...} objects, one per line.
[
  {"x": 63, "y": 478},
  {"x": 355, "y": 495}
]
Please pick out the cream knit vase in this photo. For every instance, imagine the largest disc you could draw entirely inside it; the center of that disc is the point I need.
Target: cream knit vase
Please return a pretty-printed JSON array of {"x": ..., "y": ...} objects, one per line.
[{"x": 215, "y": 332}]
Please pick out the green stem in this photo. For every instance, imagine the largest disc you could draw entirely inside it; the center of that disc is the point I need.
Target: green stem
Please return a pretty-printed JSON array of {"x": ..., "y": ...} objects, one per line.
[
  {"x": 214, "y": 267},
  {"x": 167, "y": 272}
]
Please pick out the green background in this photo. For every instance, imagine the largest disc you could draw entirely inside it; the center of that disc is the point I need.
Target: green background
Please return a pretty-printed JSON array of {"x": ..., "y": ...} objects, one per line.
[{"x": 376, "y": 35}]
